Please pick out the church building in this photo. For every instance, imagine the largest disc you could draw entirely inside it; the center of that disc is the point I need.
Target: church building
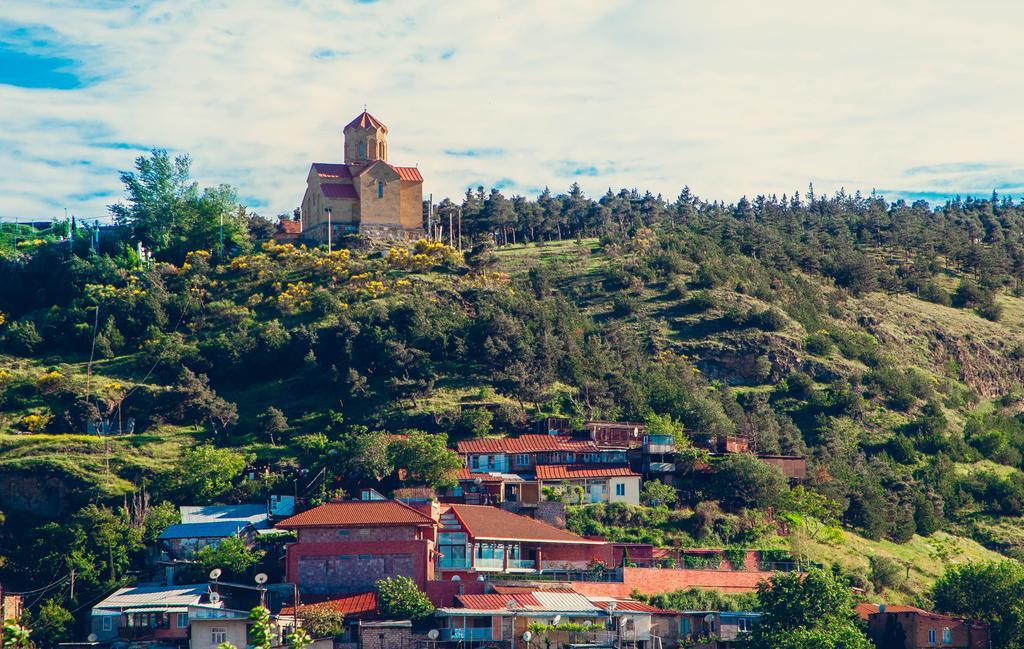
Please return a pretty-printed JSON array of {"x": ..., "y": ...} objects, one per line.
[{"x": 366, "y": 194}]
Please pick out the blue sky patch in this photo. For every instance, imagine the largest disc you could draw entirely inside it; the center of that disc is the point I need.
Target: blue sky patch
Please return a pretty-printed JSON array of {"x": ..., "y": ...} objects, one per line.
[{"x": 485, "y": 152}]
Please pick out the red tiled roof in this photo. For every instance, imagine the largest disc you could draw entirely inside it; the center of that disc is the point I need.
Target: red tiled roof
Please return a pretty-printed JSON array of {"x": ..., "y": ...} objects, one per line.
[
  {"x": 289, "y": 226},
  {"x": 375, "y": 513},
  {"x": 365, "y": 120},
  {"x": 568, "y": 472},
  {"x": 526, "y": 444},
  {"x": 864, "y": 609},
  {"x": 494, "y": 524},
  {"x": 629, "y": 605},
  {"x": 408, "y": 173},
  {"x": 339, "y": 190},
  {"x": 465, "y": 475},
  {"x": 352, "y": 604},
  {"x": 330, "y": 170}
]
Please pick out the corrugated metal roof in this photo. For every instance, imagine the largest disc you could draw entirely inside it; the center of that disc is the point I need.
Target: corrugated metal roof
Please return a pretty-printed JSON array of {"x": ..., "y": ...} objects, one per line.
[
  {"x": 493, "y": 524},
  {"x": 626, "y": 605},
  {"x": 408, "y": 173},
  {"x": 372, "y": 513},
  {"x": 332, "y": 170},
  {"x": 218, "y": 513},
  {"x": 555, "y": 601},
  {"x": 220, "y": 530},
  {"x": 570, "y": 471},
  {"x": 354, "y": 604},
  {"x": 527, "y": 444},
  {"x": 152, "y": 595}
]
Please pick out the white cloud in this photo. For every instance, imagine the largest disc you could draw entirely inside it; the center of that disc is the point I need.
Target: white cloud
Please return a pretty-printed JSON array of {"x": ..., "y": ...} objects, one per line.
[{"x": 732, "y": 98}]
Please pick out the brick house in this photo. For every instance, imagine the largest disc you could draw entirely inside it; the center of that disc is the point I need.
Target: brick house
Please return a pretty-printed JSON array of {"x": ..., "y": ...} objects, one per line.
[
  {"x": 348, "y": 546},
  {"x": 523, "y": 454},
  {"x": 908, "y": 627},
  {"x": 616, "y": 433}
]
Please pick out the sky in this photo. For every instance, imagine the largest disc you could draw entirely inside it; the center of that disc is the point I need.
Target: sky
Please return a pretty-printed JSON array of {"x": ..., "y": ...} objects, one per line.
[{"x": 912, "y": 99}]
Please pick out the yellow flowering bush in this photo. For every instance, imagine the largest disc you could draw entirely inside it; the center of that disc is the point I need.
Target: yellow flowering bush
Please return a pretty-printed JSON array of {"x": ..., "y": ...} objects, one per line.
[
  {"x": 35, "y": 423},
  {"x": 3, "y": 319},
  {"x": 51, "y": 382},
  {"x": 398, "y": 257},
  {"x": 296, "y": 297}
]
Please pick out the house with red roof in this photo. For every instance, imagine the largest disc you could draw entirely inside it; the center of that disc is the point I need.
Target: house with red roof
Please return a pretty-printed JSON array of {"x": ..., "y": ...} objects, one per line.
[
  {"x": 346, "y": 547},
  {"x": 517, "y": 469},
  {"x": 365, "y": 194},
  {"x": 909, "y": 627},
  {"x": 510, "y": 617}
]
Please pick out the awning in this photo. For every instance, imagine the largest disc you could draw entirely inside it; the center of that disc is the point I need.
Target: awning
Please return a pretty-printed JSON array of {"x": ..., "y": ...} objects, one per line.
[{"x": 157, "y": 609}]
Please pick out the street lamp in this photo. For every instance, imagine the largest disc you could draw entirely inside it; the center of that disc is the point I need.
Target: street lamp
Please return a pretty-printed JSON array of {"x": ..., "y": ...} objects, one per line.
[{"x": 329, "y": 228}]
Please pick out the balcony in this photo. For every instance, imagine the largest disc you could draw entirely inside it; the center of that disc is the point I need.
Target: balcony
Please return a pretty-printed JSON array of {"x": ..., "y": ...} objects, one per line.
[
  {"x": 453, "y": 563},
  {"x": 468, "y": 633},
  {"x": 660, "y": 467},
  {"x": 659, "y": 444}
]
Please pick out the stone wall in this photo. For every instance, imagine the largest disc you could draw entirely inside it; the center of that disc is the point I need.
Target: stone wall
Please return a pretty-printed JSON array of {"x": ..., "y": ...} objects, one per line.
[{"x": 329, "y": 535}]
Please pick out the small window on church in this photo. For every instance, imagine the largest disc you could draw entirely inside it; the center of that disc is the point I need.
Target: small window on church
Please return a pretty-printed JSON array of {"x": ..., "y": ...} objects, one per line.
[{"x": 380, "y": 189}]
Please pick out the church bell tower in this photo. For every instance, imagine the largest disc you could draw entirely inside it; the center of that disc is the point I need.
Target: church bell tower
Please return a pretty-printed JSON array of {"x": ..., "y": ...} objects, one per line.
[{"x": 366, "y": 140}]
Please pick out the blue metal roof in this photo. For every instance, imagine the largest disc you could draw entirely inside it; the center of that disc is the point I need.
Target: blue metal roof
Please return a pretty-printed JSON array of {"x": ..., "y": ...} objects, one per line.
[{"x": 219, "y": 530}]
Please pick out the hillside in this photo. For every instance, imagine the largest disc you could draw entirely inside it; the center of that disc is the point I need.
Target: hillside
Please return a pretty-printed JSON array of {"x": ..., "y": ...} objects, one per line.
[{"x": 281, "y": 369}]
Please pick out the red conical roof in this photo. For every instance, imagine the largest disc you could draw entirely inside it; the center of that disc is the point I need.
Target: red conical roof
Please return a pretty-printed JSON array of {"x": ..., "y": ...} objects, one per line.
[{"x": 365, "y": 120}]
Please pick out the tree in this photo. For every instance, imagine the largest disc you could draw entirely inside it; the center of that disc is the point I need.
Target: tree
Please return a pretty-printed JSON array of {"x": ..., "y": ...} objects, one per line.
[
  {"x": 323, "y": 621},
  {"x": 274, "y": 423},
  {"x": 205, "y": 473},
  {"x": 426, "y": 458},
  {"x": 657, "y": 494},
  {"x": 230, "y": 554},
  {"x": 259, "y": 630},
  {"x": 52, "y": 624},
  {"x": 371, "y": 456},
  {"x": 812, "y": 611},
  {"x": 990, "y": 592},
  {"x": 200, "y": 403},
  {"x": 398, "y": 598},
  {"x": 810, "y": 510},
  {"x": 15, "y": 636},
  {"x": 742, "y": 480}
]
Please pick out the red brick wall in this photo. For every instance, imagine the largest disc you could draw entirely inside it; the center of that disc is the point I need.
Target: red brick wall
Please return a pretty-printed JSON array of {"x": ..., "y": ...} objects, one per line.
[
  {"x": 387, "y": 558},
  {"x": 557, "y": 555},
  {"x": 917, "y": 626},
  {"x": 651, "y": 581}
]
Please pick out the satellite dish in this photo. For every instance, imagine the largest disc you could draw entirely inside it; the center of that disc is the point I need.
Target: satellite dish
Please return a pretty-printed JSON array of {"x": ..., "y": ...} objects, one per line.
[
  {"x": 432, "y": 634},
  {"x": 558, "y": 618},
  {"x": 477, "y": 481},
  {"x": 527, "y": 636},
  {"x": 481, "y": 578},
  {"x": 92, "y": 637},
  {"x": 261, "y": 578},
  {"x": 214, "y": 598},
  {"x": 587, "y": 622},
  {"x": 709, "y": 618},
  {"x": 456, "y": 578},
  {"x": 215, "y": 574}
]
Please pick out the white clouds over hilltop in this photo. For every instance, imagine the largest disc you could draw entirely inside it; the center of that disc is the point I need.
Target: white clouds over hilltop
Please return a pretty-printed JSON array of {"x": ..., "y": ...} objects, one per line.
[{"x": 914, "y": 98}]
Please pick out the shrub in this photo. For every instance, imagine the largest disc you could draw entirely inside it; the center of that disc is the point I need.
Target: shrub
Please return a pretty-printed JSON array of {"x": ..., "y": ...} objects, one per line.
[
  {"x": 934, "y": 293},
  {"x": 398, "y": 598},
  {"x": 885, "y": 572}
]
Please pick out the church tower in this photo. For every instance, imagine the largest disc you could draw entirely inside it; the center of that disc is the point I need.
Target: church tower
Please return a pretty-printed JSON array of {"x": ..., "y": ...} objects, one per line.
[{"x": 366, "y": 140}]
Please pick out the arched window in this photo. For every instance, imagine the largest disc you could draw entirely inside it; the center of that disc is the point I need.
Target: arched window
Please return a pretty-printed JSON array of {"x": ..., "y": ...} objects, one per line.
[
  {"x": 380, "y": 189},
  {"x": 362, "y": 148}
]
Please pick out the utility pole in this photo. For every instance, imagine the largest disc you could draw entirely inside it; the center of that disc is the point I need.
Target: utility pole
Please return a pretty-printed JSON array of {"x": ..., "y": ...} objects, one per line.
[
  {"x": 451, "y": 233},
  {"x": 222, "y": 235},
  {"x": 430, "y": 215},
  {"x": 460, "y": 228},
  {"x": 72, "y": 584}
]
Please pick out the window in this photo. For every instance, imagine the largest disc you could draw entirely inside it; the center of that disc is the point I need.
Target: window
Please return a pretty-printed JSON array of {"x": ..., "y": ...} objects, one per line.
[
  {"x": 947, "y": 636},
  {"x": 182, "y": 620},
  {"x": 931, "y": 636},
  {"x": 474, "y": 461},
  {"x": 523, "y": 459},
  {"x": 362, "y": 148},
  {"x": 380, "y": 189},
  {"x": 620, "y": 489},
  {"x": 743, "y": 624},
  {"x": 108, "y": 623},
  {"x": 218, "y": 634},
  {"x": 684, "y": 626}
]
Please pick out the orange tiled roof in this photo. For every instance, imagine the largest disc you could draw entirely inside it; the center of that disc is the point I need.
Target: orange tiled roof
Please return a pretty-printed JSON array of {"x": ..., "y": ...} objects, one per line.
[
  {"x": 373, "y": 513},
  {"x": 408, "y": 173},
  {"x": 629, "y": 605},
  {"x": 493, "y": 524},
  {"x": 289, "y": 226},
  {"x": 864, "y": 609},
  {"x": 365, "y": 120},
  {"x": 913, "y": 609},
  {"x": 569, "y": 472},
  {"x": 464, "y": 475},
  {"x": 526, "y": 444},
  {"x": 352, "y": 604}
]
